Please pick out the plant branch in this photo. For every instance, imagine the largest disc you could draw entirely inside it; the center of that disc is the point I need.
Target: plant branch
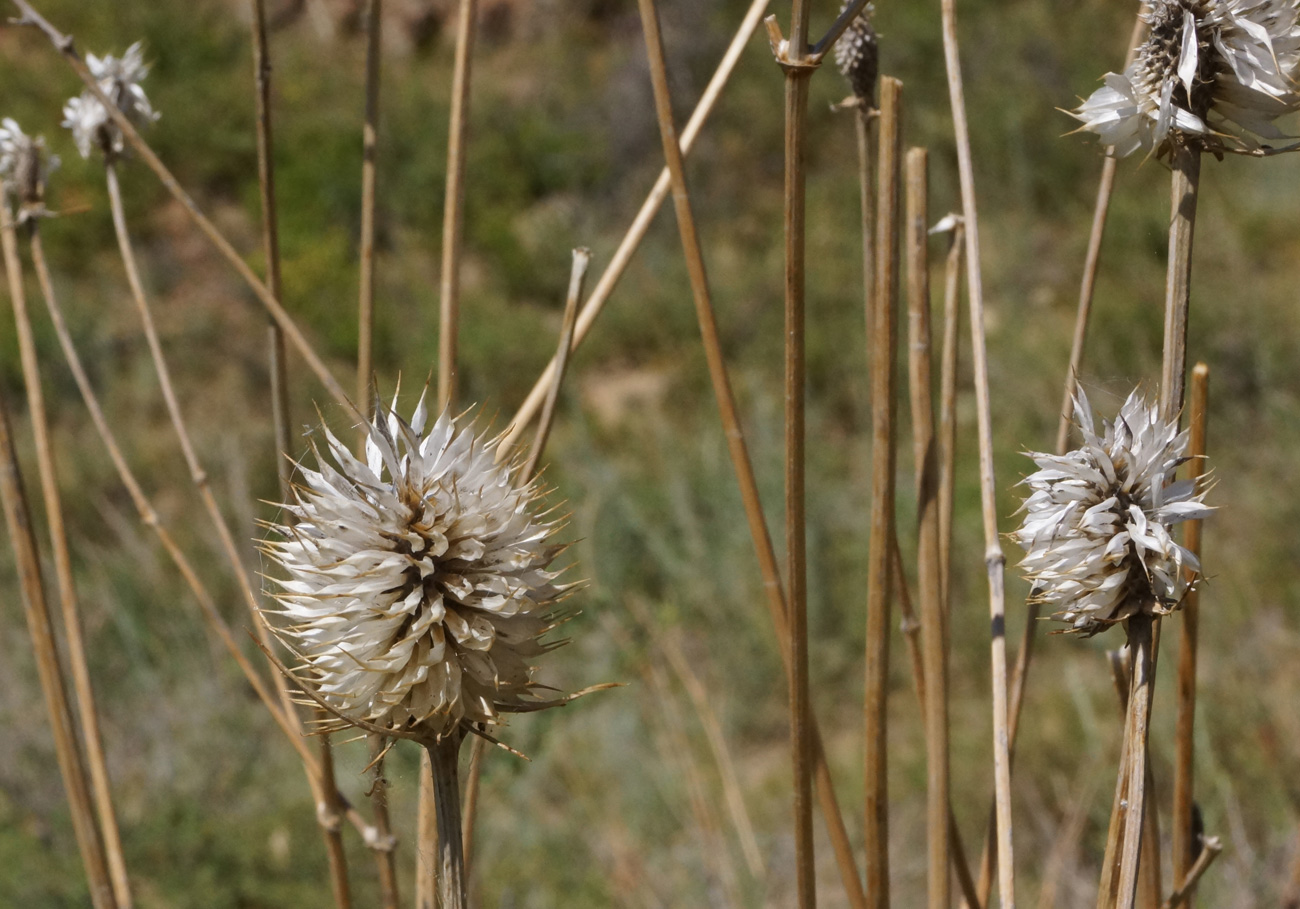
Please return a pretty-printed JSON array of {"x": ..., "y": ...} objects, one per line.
[{"x": 369, "y": 174}]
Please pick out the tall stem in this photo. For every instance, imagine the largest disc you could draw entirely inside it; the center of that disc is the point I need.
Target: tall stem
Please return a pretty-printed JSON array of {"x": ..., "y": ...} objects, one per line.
[
  {"x": 1141, "y": 646},
  {"x": 87, "y": 715},
  {"x": 40, "y": 626},
  {"x": 453, "y": 212},
  {"x": 1186, "y": 164},
  {"x": 444, "y": 758},
  {"x": 1184, "y": 838},
  {"x": 925, "y": 457},
  {"x": 369, "y": 146},
  {"x": 882, "y": 343},
  {"x": 994, "y": 559}
]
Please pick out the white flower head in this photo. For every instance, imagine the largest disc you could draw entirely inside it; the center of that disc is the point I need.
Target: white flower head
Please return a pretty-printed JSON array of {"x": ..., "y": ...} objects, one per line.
[
  {"x": 1216, "y": 72},
  {"x": 24, "y": 167},
  {"x": 1097, "y": 520},
  {"x": 416, "y": 581},
  {"x": 119, "y": 79}
]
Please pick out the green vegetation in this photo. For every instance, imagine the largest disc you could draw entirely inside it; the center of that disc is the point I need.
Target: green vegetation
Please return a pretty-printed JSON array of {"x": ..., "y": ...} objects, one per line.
[{"x": 214, "y": 808}]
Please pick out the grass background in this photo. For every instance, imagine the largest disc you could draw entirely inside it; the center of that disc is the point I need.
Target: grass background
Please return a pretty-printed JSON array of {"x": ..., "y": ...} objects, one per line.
[{"x": 621, "y": 802}]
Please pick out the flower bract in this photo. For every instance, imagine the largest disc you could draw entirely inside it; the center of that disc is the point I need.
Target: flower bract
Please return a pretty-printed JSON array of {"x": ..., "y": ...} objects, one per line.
[
  {"x": 1097, "y": 528},
  {"x": 119, "y": 78}
]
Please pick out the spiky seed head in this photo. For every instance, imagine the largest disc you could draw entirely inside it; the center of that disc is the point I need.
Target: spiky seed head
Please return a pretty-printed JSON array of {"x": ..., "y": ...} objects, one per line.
[
  {"x": 1216, "y": 73},
  {"x": 857, "y": 54},
  {"x": 24, "y": 167},
  {"x": 415, "y": 582},
  {"x": 1096, "y": 532},
  {"x": 119, "y": 78}
]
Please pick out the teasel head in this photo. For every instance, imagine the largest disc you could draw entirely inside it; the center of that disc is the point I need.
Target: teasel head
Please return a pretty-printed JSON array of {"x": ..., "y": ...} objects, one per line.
[
  {"x": 1214, "y": 74},
  {"x": 1097, "y": 531},
  {"x": 414, "y": 584},
  {"x": 24, "y": 167},
  {"x": 857, "y": 54},
  {"x": 119, "y": 78}
]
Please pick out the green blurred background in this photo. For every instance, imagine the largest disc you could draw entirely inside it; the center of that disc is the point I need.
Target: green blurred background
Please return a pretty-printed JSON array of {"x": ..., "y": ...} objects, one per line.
[{"x": 622, "y": 803}]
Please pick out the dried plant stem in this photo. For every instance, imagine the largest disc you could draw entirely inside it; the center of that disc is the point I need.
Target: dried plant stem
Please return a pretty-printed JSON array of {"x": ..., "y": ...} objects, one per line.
[
  {"x": 948, "y": 408},
  {"x": 444, "y": 758},
  {"x": 1186, "y": 164},
  {"x": 453, "y": 212},
  {"x": 426, "y": 855},
  {"x": 863, "y": 123},
  {"x": 383, "y": 844},
  {"x": 64, "y": 45},
  {"x": 1210, "y": 849},
  {"x": 798, "y": 70},
  {"x": 326, "y": 794},
  {"x": 1137, "y": 725},
  {"x": 87, "y": 715},
  {"x": 577, "y": 277},
  {"x": 1184, "y": 843},
  {"x": 640, "y": 224},
  {"x": 911, "y": 628},
  {"x": 369, "y": 173},
  {"x": 149, "y": 517},
  {"x": 882, "y": 320},
  {"x": 82, "y": 801},
  {"x": 933, "y": 626},
  {"x": 994, "y": 559}
]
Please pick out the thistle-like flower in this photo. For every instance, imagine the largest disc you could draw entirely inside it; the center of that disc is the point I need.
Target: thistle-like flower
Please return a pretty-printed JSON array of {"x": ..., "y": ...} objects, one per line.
[
  {"x": 24, "y": 167},
  {"x": 417, "y": 581},
  {"x": 119, "y": 79},
  {"x": 1214, "y": 72},
  {"x": 857, "y": 54},
  {"x": 1097, "y": 520}
]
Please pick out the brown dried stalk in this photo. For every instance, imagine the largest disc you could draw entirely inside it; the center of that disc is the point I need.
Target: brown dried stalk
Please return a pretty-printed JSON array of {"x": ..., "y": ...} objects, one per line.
[
  {"x": 149, "y": 517},
  {"x": 933, "y": 625},
  {"x": 640, "y": 224},
  {"x": 325, "y": 794},
  {"x": 948, "y": 408},
  {"x": 87, "y": 715},
  {"x": 369, "y": 173},
  {"x": 1184, "y": 842},
  {"x": 1211, "y": 846},
  {"x": 65, "y": 46},
  {"x": 40, "y": 625},
  {"x": 444, "y": 759},
  {"x": 1137, "y": 727},
  {"x": 453, "y": 213},
  {"x": 384, "y": 842},
  {"x": 994, "y": 559}
]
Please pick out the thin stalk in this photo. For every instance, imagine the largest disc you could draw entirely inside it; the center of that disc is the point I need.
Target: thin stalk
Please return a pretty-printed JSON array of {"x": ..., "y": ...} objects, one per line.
[
  {"x": 65, "y": 46},
  {"x": 1141, "y": 646},
  {"x": 911, "y": 628},
  {"x": 1210, "y": 850},
  {"x": 426, "y": 855},
  {"x": 994, "y": 559},
  {"x": 933, "y": 631},
  {"x": 798, "y": 73},
  {"x": 1184, "y": 839},
  {"x": 948, "y": 408},
  {"x": 864, "y": 121},
  {"x": 149, "y": 517},
  {"x": 636, "y": 232},
  {"x": 40, "y": 625},
  {"x": 87, "y": 715},
  {"x": 383, "y": 845},
  {"x": 803, "y": 723},
  {"x": 326, "y": 793},
  {"x": 453, "y": 212},
  {"x": 197, "y": 472},
  {"x": 882, "y": 343},
  {"x": 1186, "y": 164},
  {"x": 369, "y": 173},
  {"x": 444, "y": 757},
  {"x": 577, "y": 276}
]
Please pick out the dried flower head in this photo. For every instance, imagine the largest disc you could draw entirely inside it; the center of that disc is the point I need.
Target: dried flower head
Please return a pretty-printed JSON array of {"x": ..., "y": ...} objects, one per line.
[
  {"x": 24, "y": 167},
  {"x": 119, "y": 79},
  {"x": 1215, "y": 72},
  {"x": 857, "y": 54},
  {"x": 417, "y": 581},
  {"x": 1097, "y": 520}
]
